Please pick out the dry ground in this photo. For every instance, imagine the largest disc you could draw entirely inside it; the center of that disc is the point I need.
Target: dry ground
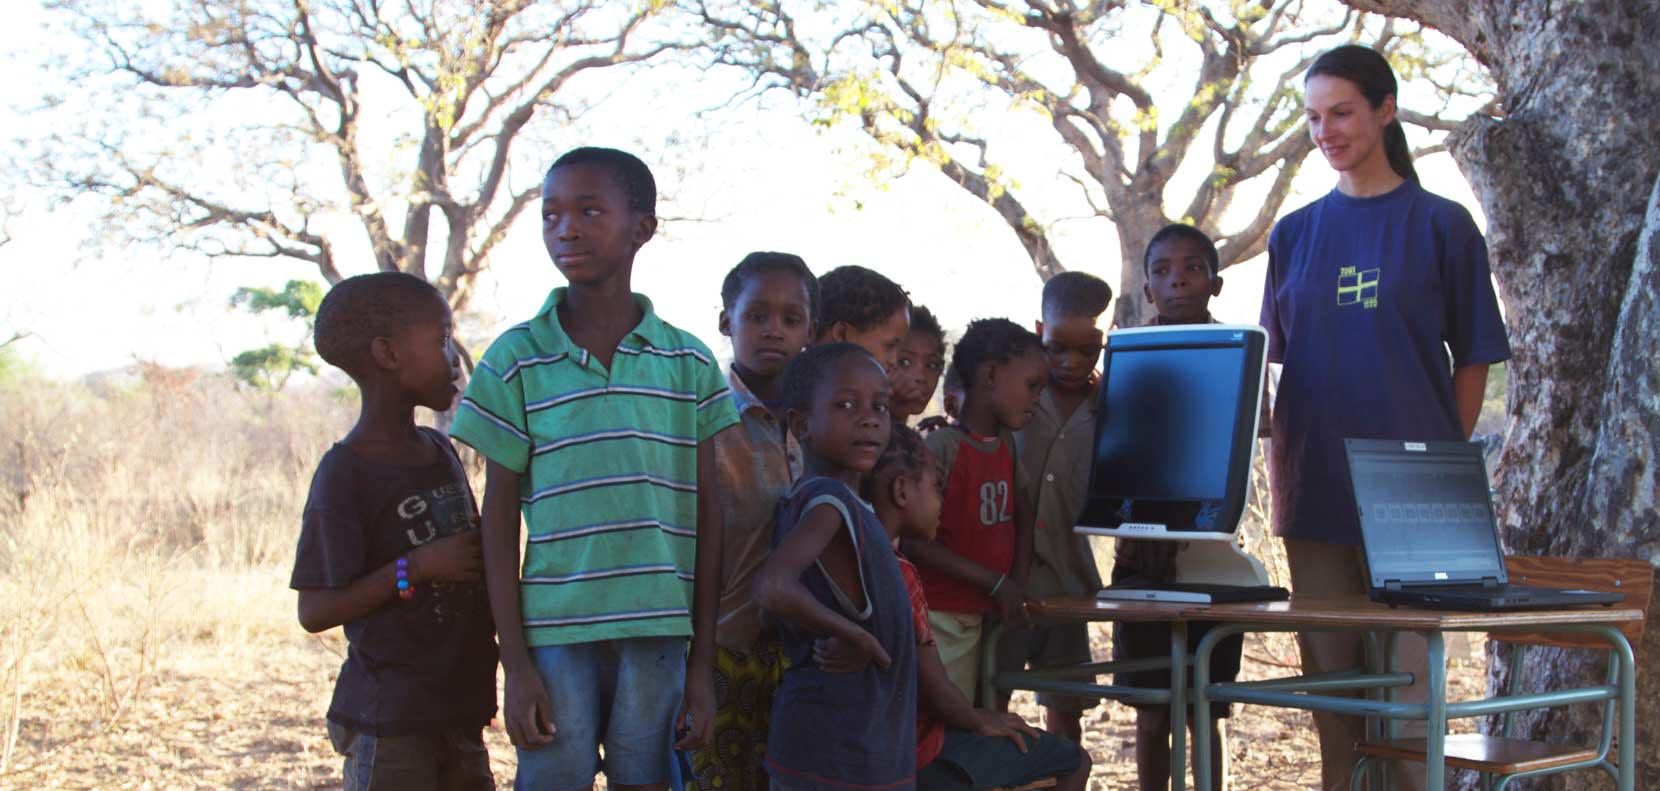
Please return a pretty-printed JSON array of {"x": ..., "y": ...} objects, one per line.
[{"x": 238, "y": 705}]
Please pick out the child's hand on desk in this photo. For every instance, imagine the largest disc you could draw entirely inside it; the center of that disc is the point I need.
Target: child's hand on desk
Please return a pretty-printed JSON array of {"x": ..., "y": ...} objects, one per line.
[
  {"x": 1010, "y": 725},
  {"x": 842, "y": 656},
  {"x": 453, "y": 558},
  {"x": 528, "y": 710},
  {"x": 1010, "y": 600}
]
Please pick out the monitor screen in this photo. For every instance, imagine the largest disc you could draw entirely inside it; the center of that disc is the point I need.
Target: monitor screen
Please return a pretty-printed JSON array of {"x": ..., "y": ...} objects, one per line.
[
  {"x": 1175, "y": 432},
  {"x": 1426, "y": 518},
  {"x": 1167, "y": 423}
]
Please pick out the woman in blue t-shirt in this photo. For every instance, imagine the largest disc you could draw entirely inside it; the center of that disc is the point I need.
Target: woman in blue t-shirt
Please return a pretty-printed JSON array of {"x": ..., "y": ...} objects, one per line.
[{"x": 1380, "y": 307}]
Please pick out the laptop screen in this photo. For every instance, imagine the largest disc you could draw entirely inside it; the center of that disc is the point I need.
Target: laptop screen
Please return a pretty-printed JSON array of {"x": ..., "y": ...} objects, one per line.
[{"x": 1425, "y": 514}]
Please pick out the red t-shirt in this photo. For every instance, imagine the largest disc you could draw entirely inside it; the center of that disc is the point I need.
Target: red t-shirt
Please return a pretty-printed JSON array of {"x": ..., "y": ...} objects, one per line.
[
  {"x": 930, "y": 733},
  {"x": 977, "y": 521}
]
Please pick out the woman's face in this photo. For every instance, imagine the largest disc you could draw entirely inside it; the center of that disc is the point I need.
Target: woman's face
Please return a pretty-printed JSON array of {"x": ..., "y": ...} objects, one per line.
[{"x": 1346, "y": 127}]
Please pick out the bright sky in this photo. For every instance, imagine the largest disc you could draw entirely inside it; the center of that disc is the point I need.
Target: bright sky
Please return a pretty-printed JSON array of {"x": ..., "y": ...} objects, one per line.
[{"x": 763, "y": 180}]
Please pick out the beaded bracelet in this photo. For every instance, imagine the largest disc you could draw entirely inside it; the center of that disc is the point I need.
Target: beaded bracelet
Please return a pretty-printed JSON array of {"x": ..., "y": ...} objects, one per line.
[{"x": 406, "y": 589}]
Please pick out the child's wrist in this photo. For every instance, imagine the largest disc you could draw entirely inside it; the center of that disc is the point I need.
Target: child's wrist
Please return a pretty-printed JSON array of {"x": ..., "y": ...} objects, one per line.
[{"x": 403, "y": 576}]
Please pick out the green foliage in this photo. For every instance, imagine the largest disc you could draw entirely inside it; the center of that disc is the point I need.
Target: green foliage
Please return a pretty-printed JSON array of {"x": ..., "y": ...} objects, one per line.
[
  {"x": 268, "y": 369},
  {"x": 299, "y": 298},
  {"x": 14, "y": 367}
]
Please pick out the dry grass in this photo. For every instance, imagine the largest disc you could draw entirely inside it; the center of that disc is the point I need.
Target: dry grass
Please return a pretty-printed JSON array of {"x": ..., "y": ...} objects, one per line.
[{"x": 148, "y": 638}]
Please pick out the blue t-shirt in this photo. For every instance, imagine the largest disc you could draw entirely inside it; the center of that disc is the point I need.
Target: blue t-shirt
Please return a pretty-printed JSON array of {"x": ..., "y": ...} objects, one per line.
[{"x": 1370, "y": 304}]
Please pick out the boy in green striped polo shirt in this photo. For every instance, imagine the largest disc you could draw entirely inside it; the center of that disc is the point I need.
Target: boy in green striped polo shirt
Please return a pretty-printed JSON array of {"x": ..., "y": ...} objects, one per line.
[{"x": 597, "y": 419}]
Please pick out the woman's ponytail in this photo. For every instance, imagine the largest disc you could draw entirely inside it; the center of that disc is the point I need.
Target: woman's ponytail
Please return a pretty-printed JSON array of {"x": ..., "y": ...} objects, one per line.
[{"x": 1400, "y": 155}]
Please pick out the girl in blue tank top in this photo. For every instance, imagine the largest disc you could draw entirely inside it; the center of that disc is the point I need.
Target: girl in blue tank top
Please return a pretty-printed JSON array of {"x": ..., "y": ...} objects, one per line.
[{"x": 844, "y": 717}]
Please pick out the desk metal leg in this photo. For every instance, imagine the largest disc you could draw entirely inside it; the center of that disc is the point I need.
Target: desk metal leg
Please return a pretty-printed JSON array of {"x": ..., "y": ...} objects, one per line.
[
  {"x": 1376, "y": 662},
  {"x": 1201, "y": 707},
  {"x": 1178, "y": 707},
  {"x": 1435, "y": 751},
  {"x": 1386, "y": 769},
  {"x": 1627, "y": 769}
]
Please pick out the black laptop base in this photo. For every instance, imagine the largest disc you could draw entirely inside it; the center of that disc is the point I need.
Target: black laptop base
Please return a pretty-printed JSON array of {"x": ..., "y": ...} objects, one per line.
[{"x": 1500, "y": 599}]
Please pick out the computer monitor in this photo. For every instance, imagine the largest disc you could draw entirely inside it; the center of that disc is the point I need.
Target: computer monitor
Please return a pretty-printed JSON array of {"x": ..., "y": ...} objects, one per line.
[{"x": 1176, "y": 432}]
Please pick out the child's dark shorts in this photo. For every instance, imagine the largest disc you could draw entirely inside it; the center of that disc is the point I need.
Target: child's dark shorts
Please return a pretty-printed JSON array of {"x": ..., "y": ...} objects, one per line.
[
  {"x": 449, "y": 760},
  {"x": 969, "y": 761},
  {"x": 1151, "y": 640}
]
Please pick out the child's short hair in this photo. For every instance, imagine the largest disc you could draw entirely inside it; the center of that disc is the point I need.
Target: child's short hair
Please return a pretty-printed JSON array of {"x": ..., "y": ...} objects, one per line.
[
  {"x": 632, "y": 174},
  {"x": 859, "y": 296},
  {"x": 1177, "y": 230},
  {"x": 1076, "y": 294},
  {"x": 359, "y": 309},
  {"x": 808, "y": 370},
  {"x": 988, "y": 342},
  {"x": 761, "y": 263},
  {"x": 923, "y": 321},
  {"x": 905, "y": 455}
]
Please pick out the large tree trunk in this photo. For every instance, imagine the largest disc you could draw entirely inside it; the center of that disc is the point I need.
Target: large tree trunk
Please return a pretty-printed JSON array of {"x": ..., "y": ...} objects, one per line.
[{"x": 1569, "y": 184}]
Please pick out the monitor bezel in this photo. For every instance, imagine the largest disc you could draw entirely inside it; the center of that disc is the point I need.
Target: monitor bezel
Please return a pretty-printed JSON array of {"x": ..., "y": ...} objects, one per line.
[{"x": 1254, "y": 341}]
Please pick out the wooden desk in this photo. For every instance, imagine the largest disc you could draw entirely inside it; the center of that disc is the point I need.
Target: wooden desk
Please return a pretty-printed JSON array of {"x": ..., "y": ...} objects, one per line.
[{"x": 1361, "y": 615}]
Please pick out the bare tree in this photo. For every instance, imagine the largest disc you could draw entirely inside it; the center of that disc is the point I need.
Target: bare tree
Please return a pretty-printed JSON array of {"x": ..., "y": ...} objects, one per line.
[
  {"x": 445, "y": 89},
  {"x": 922, "y": 77}
]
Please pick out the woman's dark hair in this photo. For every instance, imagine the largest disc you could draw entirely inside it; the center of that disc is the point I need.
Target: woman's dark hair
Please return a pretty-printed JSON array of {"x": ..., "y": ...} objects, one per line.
[
  {"x": 990, "y": 342},
  {"x": 1370, "y": 72},
  {"x": 810, "y": 368},
  {"x": 905, "y": 455},
  {"x": 861, "y": 297},
  {"x": 1178, "y": 230},
  {"x": 763, "y": 263}
]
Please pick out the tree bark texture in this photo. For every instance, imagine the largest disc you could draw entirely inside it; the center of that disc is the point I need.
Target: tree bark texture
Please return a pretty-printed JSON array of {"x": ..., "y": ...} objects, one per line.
[{"x": 1568, "y": 180}]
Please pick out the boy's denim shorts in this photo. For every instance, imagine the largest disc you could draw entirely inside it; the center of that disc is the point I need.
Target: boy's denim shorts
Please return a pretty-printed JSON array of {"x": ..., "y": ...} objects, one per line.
[
  {"x": 619, "y": 693},
  {"x": 449, "y": 760}
]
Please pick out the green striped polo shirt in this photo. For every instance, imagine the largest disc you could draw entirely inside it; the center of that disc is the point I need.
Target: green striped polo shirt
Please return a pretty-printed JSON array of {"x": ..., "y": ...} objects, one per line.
[{"x": 607, "y": 464}]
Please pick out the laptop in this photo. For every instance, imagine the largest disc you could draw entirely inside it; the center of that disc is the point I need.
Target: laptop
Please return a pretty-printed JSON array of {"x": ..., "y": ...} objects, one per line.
[{"x": 1429, "y": 533}]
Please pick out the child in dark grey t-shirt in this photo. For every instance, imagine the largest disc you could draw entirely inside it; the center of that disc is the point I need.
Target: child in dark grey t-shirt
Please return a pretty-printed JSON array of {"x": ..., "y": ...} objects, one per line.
[{"x": 389, "y": 549}]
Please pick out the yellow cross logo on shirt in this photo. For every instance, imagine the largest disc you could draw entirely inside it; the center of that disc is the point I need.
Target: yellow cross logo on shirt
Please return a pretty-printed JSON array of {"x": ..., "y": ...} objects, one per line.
[{"x": 1357, "y": 286}]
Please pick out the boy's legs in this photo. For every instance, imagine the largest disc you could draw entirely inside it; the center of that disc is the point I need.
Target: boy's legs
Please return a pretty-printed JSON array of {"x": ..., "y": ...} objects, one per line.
[
  {"x": 624, "y": 692},
  {"x": 1321, "y": 569},
  {"x": 957, "y": 637},
  {"x": 650, "y": 683},
  {"x": 453, "y": 760},
  {"x": 1059, "y": 645}
]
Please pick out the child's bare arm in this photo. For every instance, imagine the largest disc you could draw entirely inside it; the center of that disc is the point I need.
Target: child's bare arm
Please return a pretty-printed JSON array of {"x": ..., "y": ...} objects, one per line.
[
  {"x": 449, "y": 559},
  {"x": 938, "y": 695},
  {"x": 1025, "y": 536},
  {"x": 700, "y": 666},
  {"x": 526, "y": 707},
  {"x": 946, "y": 702},
  {"x": 1008, "y": 593},
  {"x": 778, "y": 587}
]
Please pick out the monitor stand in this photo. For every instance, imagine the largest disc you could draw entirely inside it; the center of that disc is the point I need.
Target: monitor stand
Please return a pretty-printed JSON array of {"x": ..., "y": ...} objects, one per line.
[{"x": 1207, "y": 572}]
